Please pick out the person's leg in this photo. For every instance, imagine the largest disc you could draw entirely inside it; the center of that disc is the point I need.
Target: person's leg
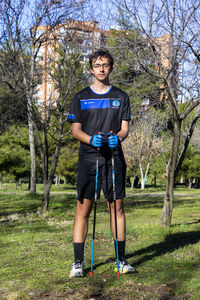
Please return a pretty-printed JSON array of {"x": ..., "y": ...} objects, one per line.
[
  {"x": 83, "y": 210},
  {"x": 121, "y": 220},
  {"x": 121, "y": 224},
  {"x": 80, "y": 230},
  {"x": 124, "y": 267}
]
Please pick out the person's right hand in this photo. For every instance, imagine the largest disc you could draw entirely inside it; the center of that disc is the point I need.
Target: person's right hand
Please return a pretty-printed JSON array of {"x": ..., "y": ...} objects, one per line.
[{"x": 96, "y": 140}]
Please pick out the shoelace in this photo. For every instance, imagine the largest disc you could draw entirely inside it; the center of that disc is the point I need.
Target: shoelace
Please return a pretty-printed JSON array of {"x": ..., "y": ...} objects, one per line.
[
  {"x": 124, "y": 262},
  {"x": 77, "y": 265}
]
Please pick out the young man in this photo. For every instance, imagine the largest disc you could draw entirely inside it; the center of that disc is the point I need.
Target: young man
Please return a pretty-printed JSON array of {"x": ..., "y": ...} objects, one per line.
[{"x": 103, "y": 108}]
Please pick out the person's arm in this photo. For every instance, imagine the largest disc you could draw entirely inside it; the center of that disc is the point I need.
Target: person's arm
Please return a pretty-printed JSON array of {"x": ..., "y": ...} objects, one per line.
[
  {"x": 123, "y": 133},
  {"x": 79, "y": 134}
]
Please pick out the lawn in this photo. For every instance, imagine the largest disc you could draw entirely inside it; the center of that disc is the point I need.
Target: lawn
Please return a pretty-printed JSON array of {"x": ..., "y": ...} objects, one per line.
[{"x": 37, "y": 252}]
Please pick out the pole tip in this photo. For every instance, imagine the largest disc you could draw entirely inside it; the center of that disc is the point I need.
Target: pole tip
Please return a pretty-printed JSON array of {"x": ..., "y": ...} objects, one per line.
[
  {"x": 91, "y": 274},
  {"x": 118, "y": 273}
]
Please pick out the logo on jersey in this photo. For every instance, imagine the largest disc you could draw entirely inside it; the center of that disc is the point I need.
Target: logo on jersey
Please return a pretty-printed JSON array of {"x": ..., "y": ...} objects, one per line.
[
  {"x": 70, "y": 117},
  {"x": 95, "y": 103},
  {"x": 116, "y": 103}
]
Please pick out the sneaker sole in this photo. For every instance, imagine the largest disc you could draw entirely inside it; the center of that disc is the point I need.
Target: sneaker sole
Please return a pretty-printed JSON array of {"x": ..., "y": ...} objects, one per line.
[
  {"x": 127, "y": 272},
  {"x": 76, "y": 276}
]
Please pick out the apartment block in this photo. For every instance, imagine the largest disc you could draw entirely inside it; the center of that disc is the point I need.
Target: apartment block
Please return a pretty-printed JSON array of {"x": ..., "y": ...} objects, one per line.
[{"x": 83, "y": 35}]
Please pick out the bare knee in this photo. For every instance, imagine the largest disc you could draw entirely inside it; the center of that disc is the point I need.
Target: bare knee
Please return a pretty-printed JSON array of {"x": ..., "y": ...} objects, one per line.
[
  {"x": 83, "y": 209},
  {"x": 119, "y": 207}
]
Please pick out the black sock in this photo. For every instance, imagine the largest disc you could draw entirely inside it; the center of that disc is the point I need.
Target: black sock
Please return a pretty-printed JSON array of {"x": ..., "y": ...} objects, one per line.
[
  {"x": 121, "y": 249},
  {"x": 78, "y": 252}
]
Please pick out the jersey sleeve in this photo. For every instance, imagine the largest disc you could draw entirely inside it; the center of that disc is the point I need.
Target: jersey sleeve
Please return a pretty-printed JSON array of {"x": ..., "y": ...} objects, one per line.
[
  {"x": 74, "y": 115},
  {"x": 126, "y": 111}
]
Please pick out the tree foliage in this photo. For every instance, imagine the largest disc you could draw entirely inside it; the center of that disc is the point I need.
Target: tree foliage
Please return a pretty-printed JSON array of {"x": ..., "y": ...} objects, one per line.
[
  {"x": 143, "y": 88},
  {"x": 12, "y": 109},
  {"x": 67, "y": 165},
  {"x": 22, "y": 35},
  {"x": 170, "y": 33},
  {"x": 14, "y": 153},
  {"x": 144, "y": 142}
]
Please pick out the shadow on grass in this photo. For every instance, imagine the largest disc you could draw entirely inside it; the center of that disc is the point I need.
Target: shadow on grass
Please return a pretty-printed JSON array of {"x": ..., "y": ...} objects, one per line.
[
  {"x": 156, "y": 201},
  {"x": 190, "y": 223},
  {"x": 171, "y": 243},
  {"x": 19, "y": 204},
  {"x": 63, "y": 202},
  {"x": 23, "y": 204}
]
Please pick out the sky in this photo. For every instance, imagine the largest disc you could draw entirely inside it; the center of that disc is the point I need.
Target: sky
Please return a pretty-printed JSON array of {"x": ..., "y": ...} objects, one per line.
[{"x": 103, "y": 11}]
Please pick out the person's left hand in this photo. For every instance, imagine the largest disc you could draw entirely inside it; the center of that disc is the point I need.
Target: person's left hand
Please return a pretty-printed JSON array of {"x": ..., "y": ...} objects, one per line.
[{"x": 113, "y": 141}]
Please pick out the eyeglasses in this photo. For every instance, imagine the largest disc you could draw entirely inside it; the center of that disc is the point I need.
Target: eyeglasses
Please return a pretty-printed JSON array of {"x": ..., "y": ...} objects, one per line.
[{"x": 98, "y": 66}]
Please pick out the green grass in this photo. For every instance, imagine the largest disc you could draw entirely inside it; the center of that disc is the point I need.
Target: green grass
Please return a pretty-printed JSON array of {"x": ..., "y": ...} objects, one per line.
[{"x": 36, "y": 252}]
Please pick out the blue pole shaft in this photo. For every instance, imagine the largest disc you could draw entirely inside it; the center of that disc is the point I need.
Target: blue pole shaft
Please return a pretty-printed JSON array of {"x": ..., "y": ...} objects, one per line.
[{"x": 115, "y": 211}]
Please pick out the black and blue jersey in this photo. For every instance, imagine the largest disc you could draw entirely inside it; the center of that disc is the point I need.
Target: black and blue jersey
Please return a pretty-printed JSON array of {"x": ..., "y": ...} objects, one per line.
[{"x": 99, "y": 112}]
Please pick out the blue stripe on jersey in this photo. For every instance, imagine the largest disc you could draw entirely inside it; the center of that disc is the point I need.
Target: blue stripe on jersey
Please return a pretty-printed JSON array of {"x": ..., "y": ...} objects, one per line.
[{"x": 95, "y": 103}]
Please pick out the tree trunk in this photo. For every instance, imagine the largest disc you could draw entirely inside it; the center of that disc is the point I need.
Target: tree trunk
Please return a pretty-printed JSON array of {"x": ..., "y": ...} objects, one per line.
[
  {"x": 33, "y": 158},
  {"x": 169, "y": 194},
  {"x": 48, "y": 175},
  {"x": 155, "y": 179},
  {"x": 133, "y": 181},
  {"x": 198, "y": 183},
  {"x": 29, "y": 98},
  {"x": 190, "y": 182},
  {"x": 142, "y": 177},
  {"x": 56, "y": 181},
  {"x": 46, "y": 196},
  {"x": 142, "y": 183},
  {"x": 182, "y": 179}
]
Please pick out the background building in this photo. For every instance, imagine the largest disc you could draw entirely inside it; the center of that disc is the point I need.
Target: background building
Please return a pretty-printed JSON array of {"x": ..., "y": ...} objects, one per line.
[{"x": 85, "y": 36}]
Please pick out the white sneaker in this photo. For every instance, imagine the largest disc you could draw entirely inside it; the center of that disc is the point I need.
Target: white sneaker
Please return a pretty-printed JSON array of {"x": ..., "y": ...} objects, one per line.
[
  {"x": 77, "y": 270},
  {"x": 124, "y": 267}
]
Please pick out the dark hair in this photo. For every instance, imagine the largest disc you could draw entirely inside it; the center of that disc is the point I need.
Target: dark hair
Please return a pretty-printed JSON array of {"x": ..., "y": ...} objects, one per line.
[{"x": 101, "y": 53}]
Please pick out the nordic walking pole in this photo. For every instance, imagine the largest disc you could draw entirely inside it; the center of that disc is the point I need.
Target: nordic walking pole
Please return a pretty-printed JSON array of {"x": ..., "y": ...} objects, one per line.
[
  {"x": 115, "y": 211},
  {"x": 95, "y": 208}
]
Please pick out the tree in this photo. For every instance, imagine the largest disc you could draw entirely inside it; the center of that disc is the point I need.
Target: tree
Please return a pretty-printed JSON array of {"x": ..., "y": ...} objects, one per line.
[
  {"x": 170, "y": 32},
  {"x": 14, "y": 153},
  {"x": 157, "y": 169},
  {"x": 127, "y": 74},
  {"x": 144, "y": 141},
  {"x": 67, "y": 165},
  {"x": 12, "y": 110},
  {"x": 21, "y": 35},
  {"x": 187, "y": 134},
  {"x": 190, "y": 167},
  {"x": 67, "y": 75}
]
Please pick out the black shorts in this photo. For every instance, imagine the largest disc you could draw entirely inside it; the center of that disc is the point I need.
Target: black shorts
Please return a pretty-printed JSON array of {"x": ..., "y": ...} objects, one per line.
[{"x": 86, "y": 179}]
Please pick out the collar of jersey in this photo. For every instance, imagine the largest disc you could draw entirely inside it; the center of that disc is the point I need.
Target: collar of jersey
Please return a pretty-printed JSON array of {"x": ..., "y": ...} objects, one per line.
[{"x": 103, "y": 93}]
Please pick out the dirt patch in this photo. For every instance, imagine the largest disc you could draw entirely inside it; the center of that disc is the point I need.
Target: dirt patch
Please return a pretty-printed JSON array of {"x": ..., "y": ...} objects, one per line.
[{"x": 98, "y": 291}]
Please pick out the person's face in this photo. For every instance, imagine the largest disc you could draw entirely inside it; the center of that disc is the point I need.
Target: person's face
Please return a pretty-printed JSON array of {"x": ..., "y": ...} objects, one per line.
[{"x": 101, "y": 68}]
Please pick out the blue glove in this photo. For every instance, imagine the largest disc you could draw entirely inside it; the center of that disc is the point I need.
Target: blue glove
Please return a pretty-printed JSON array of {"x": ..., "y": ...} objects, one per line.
[
  {"x": 96, "y": 140},
  {"x": 113, "y": 141}
]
